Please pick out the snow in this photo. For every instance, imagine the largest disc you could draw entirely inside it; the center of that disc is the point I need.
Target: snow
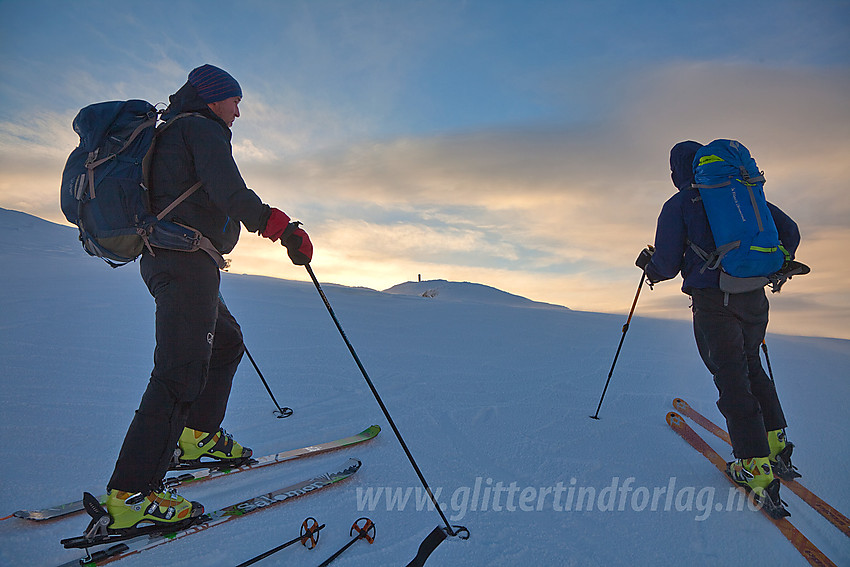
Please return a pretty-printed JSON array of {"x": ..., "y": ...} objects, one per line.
[{"x": 492, "y": 393}]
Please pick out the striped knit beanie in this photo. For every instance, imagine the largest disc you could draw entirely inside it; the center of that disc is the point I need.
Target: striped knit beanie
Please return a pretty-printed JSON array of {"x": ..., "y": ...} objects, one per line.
[{"x": 214, "y": 84}]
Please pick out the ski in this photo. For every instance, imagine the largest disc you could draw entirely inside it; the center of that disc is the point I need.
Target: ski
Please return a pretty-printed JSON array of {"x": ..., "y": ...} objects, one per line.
[
  {"x": 208, "y": 520},
  {"x": 203, "y": 474},
  {"x": 806, "y": 548},
  {"x": 835, "y": 517}
]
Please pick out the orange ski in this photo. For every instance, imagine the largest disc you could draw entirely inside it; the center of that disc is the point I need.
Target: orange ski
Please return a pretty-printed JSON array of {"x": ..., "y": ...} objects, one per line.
[
  {"x": 835, "y": 517},
  {"x": 806, "y": 548}
]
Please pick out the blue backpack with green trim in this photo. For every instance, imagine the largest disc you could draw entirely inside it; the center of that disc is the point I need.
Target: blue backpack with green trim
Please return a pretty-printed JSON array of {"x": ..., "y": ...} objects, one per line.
[{"x": 731, "y": 188}]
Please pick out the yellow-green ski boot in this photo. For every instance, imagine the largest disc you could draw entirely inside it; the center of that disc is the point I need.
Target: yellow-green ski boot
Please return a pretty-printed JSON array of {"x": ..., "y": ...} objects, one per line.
[
  {"x": 756, "y": 476},
  {"x": 780, "y": 455},
  {"x": 198, "y": 449}
]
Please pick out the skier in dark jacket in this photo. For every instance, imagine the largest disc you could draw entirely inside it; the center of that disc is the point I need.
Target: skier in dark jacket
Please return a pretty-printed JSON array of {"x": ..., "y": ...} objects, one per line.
[
  {"x": 198, "y": 342},
  {"x": 729, "y": 328}
]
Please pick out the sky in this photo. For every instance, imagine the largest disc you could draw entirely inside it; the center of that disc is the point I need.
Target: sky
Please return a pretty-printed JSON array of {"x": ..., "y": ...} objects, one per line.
[{"x": 518, "y": 144}]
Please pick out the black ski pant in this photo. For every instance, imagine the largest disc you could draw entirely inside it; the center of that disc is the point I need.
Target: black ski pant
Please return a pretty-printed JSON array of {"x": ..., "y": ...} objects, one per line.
[
  {"x": 729, "y": 333},
  {"x": 198, "y": 348}
]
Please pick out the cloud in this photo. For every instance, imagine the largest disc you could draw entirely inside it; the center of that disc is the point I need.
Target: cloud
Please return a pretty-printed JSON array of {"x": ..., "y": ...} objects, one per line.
[
  {"x": 552, "y": 209},
  {"x": 573, "y": 205},
  {"x": 796, "y": 121}
]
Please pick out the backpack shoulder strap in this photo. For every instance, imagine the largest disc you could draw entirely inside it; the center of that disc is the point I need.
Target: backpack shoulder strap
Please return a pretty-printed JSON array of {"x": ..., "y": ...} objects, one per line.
[
  {"x": 179, "y": 200},
  {"x": 146, "y": 161},
  {"x": 146, "y": 164},
  {"x": 204, "y": 243}
]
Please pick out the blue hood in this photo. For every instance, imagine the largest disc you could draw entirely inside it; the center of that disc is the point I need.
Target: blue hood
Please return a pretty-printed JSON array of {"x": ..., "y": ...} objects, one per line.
[{"x": 681, "y": 163}]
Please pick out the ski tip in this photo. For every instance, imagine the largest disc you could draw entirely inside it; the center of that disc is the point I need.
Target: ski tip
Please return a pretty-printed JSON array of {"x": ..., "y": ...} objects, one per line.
[
  {"x": 351, "y": 466},
  {"x": 372, "y": 431},
  {"x": 680, "y": 404},
  {"x": 675, "y": 420}
]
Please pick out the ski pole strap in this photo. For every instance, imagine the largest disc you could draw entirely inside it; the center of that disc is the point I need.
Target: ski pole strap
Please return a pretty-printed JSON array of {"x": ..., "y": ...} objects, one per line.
[
  {"x": 437, "y": 536},
  {"x": 290, "y": 228}
]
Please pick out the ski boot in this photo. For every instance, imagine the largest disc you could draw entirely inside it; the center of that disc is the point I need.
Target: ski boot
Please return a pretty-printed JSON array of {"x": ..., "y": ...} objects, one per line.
[
  {"x": 197, "y": 449},
  {"x": 756, "y": 476},
  {"x": 129, "y": 515},
  {"x": 780, "y": 455}
]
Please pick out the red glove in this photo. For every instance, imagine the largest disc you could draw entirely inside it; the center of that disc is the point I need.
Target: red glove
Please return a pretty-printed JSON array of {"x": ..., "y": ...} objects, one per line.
[
  {"x": 298, "y": 247},
  {"x": 276, "y": 225}
]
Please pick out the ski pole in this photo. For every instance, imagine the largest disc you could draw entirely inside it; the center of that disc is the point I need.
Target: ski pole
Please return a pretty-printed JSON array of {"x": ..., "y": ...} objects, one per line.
[
  {"x": 366, "y": 531},
  {"x": 622, "y": 338},
  {"x": 449, "y": 528},
  {"x": 281, "y": 412},
  {"x": 309, "y": 538}
]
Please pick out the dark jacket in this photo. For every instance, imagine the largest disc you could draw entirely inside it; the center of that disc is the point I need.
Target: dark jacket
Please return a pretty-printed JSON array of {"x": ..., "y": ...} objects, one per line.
[
  {"x": 197, "y": 148},
  {"x": 683, "y": 220}
]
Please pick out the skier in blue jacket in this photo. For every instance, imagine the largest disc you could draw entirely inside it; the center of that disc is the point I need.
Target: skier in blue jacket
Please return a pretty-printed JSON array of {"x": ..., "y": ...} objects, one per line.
[{"x": 729, "y": 329}]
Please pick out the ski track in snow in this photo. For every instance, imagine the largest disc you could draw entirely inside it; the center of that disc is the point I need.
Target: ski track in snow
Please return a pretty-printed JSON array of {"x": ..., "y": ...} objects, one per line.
[{"x": 488, "y": 389}]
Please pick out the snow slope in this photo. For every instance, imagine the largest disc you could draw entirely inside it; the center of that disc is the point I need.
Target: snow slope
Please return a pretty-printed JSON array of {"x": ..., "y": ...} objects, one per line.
[{"x": 490, "y": 394}]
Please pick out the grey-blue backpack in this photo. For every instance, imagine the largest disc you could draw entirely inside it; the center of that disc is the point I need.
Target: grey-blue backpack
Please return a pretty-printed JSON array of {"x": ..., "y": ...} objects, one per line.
[{"x": 104, "y": 185}]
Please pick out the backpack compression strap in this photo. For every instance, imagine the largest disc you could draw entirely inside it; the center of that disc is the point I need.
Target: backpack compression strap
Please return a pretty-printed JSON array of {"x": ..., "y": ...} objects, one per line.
[
  {"x": 748, "y": 182},
  {"x": 92, "y": 162},
  {"x": 712, "y": 261}
]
